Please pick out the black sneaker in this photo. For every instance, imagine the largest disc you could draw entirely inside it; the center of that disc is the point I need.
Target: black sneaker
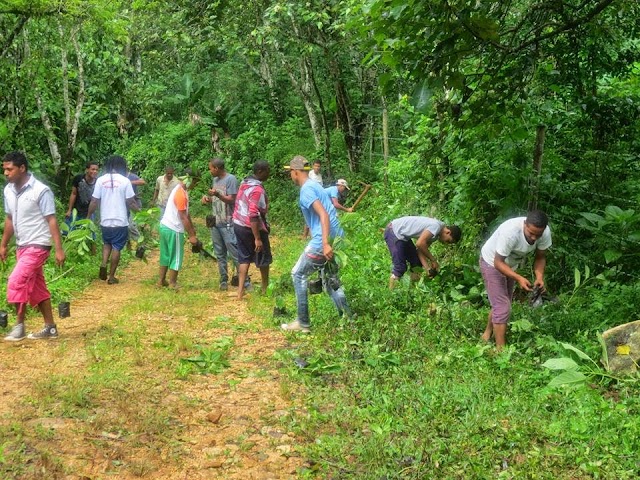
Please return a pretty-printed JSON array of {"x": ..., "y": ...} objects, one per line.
[
  {"x": 49, "y": 331},
  {"x": 103, "y": 273}
]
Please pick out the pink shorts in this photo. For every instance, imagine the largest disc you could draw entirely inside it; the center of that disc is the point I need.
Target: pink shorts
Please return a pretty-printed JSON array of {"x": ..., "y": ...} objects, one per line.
[
  {"x": 500, "y": 291},
  {"x": 26, "y": 283}
]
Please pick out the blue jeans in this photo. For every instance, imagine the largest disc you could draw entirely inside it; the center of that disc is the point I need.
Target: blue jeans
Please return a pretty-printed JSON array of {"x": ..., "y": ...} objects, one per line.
[
  {"x": 224, "y": 244},
  {"x": 310, "y": 261}
]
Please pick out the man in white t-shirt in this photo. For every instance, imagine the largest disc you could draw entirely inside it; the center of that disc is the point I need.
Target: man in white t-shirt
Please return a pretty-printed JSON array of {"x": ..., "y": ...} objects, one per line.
[
  {"x": 113, "y": 193},
  {"x": 315, "y": 174},
  {"x": 175, "y": 221},
  {"x": 501, "y": 256}
]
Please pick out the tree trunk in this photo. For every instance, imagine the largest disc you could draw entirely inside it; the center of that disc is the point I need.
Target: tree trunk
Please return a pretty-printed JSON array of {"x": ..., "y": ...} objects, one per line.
[
  {"x": 325, "y": 126},
  {"x": 351, "y": 128},
  {"x": 537, "y": 167},
  {"x": 72, "y": 127},
  {"x": 48, "y": 128},
  {"x": 385, "y": 138},
  {"x": 44, "y": 116},
  {"x": 303, "y": 87}
]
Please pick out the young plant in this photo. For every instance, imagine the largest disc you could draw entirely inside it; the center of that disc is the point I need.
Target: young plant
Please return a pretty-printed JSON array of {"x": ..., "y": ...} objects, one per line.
[
  {"x": 211, "y": 359},
  {"x": 79, "y": 236},
  {"x": 578, "y": 373}
]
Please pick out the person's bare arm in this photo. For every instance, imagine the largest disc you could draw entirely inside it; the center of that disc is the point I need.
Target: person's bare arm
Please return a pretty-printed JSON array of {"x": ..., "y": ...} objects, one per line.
[
  {"x": 6, "y": 236},
  {"x": 132, "y": 204},
  {"x": 185, "y": 218},
  {"x": 338, "y": 206},
  {"x": 54, "y": 229},
  {"x": 539, "y": 265},
  {"x": 72, "y": 201},
  {"x": 228, "y": 199},
  {"x": 93, "y": 206},
  {"x": 500, "y": 265},
  {"x": 255, "y": 229},
  {"x": 156, "y": 192},
  {"x": 424, "y": 254}
]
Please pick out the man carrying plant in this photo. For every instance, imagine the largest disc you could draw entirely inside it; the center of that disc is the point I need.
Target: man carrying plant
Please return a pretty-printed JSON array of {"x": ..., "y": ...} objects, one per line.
[
  {"x": 81, "y": 191},
  {"x": 500, "y": 257},
  {"x": 30, "y": 215},
  {"x": 399, "y": 236},
  {"x": 175, "y": 221},
  {"x": 222, "y": 197},
  {"x": 251, "y": 227},
  {"x": 322, "y": 220},
  {"x": 114, "y": 194}
]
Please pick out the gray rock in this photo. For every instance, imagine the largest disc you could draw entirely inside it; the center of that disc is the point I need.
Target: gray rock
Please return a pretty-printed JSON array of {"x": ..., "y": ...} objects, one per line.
[{"x": 623, "y": 347}]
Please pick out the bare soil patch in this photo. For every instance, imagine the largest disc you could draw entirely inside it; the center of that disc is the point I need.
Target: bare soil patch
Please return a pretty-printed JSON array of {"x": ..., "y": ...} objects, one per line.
[{"x": 104, "y": 399}]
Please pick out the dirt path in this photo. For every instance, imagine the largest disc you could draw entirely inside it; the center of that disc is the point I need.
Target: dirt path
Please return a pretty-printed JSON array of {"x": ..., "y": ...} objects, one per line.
[{"x": 110, "y": 398}]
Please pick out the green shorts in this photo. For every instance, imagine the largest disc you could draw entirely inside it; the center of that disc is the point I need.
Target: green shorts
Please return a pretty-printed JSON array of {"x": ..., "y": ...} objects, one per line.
[{"x": 171, "y": 248}]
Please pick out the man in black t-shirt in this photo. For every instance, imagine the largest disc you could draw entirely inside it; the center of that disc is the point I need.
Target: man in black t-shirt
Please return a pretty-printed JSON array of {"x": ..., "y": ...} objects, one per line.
[{"x": 81, "y": 191}]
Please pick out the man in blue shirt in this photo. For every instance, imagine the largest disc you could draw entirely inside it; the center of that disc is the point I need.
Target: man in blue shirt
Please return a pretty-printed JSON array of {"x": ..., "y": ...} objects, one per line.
[
  {"x": 335, "y": 192},
  {"x": 321, "y": 218}
]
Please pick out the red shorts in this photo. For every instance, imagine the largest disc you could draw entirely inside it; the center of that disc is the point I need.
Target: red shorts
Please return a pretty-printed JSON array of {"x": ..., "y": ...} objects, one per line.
[{"x": 26, "y": 283}]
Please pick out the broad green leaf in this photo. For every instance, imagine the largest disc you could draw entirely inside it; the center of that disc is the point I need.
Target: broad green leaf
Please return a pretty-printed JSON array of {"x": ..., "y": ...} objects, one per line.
[
  {"x": 576, "y": 277},
  {"x": 421, "y": 98},
  {"x": 611, "y": 255},
  {"x": 562, "y": 363},
  {"x": 615, "y": 212},
  {"x": 570, "y": 377},
  {"x": 578, "y": 352},
  {"x": 592, "y": 217},
  {"x": 634, "y": 237},
  {"x": 587, "y": 272}
]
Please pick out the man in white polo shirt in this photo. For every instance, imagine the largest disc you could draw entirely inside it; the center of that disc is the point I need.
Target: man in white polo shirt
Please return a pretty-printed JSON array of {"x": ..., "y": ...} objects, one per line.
[{"x": 31, "y": 218}]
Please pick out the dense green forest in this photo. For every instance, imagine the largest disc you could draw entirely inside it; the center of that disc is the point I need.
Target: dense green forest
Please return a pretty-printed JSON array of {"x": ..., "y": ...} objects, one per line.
[{"x": 464, "y": 110}]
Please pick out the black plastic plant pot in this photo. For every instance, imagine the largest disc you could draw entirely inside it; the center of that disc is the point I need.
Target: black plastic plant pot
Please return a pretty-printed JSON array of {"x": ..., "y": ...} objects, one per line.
[
  {"x": 64, "y": 309},
  {"x": 140, "y": 251},
  {"x": 315, "y": 286},
  {"x": 4, "y": 319},
  {"x": 279, "y": 312}
]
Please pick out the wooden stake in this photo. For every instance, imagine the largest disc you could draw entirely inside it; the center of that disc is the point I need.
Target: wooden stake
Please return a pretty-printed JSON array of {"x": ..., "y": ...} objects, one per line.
[{"x": 366, "y": 189}]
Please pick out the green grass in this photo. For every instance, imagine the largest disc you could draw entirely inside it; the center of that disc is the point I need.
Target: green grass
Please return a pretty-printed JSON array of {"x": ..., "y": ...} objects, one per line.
[{"x": 406, "y": 391}]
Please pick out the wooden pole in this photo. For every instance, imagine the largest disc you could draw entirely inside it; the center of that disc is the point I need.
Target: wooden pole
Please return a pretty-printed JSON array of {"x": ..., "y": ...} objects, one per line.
[{"x": 366, "y": 189}]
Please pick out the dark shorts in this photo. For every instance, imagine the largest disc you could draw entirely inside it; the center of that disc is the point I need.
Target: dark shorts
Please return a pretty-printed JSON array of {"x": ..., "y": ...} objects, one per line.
[
  {"x": 115, "y": 236},
  {"x": 247, "y": 247},
  {"x": 402, "y": 252}
]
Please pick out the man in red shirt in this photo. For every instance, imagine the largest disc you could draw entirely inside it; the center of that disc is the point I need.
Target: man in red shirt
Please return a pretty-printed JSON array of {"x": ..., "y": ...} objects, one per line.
[{"x": 251, "y": 227}]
